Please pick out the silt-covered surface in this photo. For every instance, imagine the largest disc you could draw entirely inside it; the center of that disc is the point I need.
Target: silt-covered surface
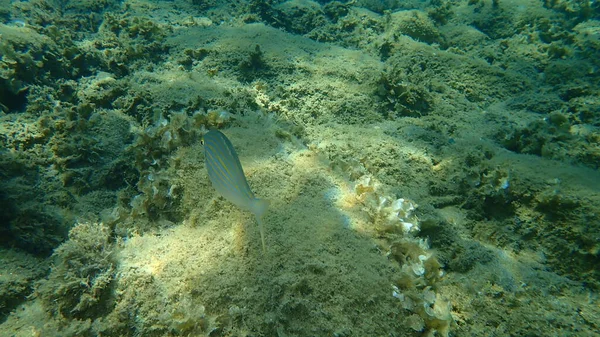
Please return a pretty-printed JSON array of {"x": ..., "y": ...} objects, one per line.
[{"x": 431, "y": 167}]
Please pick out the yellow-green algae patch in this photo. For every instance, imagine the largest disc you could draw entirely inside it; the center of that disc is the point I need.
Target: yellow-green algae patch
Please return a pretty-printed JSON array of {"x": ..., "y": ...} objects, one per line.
[{"x": 418, "y": 187}]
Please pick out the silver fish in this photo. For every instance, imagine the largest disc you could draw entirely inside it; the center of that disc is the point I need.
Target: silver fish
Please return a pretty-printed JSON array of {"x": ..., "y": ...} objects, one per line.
[{"x": 227, "y": 177}]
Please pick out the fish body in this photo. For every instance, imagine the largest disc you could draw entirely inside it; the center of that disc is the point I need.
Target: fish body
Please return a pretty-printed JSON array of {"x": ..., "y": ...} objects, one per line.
[{"x": 227, "y": 177}]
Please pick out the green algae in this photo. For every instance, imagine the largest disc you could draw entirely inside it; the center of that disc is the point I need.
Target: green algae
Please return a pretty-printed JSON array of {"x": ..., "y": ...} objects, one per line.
[{"x": 483, "y": 113}]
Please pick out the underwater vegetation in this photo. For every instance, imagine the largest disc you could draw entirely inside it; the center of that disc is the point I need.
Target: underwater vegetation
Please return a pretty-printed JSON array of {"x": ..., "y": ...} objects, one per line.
[{"x": 431, "y": 167}]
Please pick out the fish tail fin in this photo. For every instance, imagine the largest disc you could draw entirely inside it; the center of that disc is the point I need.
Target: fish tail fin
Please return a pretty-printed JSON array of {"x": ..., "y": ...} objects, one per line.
[
  {"x": 259, "y": 207},
  {"x": 261, "y": 228}
]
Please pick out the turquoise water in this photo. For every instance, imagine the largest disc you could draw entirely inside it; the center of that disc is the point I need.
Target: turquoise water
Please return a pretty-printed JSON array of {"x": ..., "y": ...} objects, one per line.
[{"x": 431, "y": 167}]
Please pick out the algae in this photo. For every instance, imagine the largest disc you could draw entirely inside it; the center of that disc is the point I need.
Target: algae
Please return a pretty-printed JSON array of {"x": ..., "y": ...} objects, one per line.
[{"x": 432, "y": 168}]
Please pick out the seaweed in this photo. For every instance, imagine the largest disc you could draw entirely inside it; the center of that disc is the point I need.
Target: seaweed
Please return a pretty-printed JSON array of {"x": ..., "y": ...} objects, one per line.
[{"x": 80, "y": 283}]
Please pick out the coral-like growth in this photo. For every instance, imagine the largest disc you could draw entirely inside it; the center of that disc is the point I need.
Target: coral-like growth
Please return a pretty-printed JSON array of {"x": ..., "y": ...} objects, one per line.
[
  {"x": 389, "y": 215},
  {"x": 157, "y": 196},
  {"x": 79, "y": 284},
  {"x": 416, "y": 286},
  {"x": 420, "y": 271}
]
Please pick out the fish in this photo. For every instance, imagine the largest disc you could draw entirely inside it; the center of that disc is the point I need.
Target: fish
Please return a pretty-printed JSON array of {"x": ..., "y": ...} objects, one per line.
[{"x": 227, "y": 177}]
